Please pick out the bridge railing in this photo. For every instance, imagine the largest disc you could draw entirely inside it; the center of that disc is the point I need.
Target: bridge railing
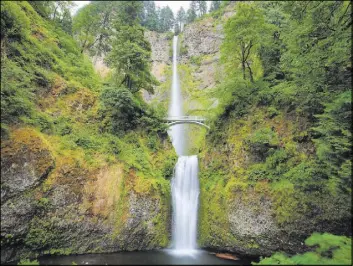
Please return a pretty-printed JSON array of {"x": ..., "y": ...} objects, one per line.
[{"x": 185, "y": 118}]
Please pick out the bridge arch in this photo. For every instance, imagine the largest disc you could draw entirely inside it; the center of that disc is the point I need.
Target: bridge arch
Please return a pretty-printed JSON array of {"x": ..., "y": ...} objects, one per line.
[
  {"x": 176, "y": 120},
  {"x": 188, "y": 122}
]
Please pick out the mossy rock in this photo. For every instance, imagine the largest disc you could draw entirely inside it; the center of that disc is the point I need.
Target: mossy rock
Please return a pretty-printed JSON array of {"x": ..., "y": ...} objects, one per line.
[{"x": 26, "y": 160}]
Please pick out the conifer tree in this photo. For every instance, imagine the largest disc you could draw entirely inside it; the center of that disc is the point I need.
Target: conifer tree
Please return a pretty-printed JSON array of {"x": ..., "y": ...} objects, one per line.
[
  {"x": 215, "y": 5},
  {"x": 130, "y": 54},
  {"x": 202, "y": 7},
  {"x": 181, "y": 16},
  {"x": 191, "y": 14}
]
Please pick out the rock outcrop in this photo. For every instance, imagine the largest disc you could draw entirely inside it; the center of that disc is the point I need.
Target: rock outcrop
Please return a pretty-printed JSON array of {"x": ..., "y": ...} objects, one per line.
[
  {"x": 25, "y": 161},
  {"x": 161, "y": 58},
  {"x": 60, "y": 206},
  {"x": 202, "y": 38}
]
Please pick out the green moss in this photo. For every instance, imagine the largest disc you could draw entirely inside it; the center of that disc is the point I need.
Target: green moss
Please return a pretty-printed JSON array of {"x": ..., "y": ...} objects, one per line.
[
  {"x": 28, "y": 262},
  {"x": 43, "y": 203},
  {"x": 214, "y": 227},
  {"x": 196, "y": 60},
  {"x": 59, "y": 251},
  {"x": 41, "y": 234}
]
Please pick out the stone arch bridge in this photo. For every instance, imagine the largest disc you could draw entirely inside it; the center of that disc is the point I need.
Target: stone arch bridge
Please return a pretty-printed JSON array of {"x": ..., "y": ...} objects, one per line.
[{"x": 175, "y": 120}]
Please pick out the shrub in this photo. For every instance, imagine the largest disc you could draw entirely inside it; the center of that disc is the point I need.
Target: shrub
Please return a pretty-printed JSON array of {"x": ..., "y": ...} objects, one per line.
[
  {"x": 261, "y": 141},
  {"x": 121, "y": 107},
  {"x": 330, "y": 250},
  {"x": 28, "y": 262}
]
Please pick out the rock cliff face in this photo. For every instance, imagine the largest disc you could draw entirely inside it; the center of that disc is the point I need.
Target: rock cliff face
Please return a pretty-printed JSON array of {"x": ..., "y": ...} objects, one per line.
[
  {"x": 161, "y": 44},
  {"x": 202, "y": 41},
  {"x": 198, "y": 63},
  {"x": 59, "y": 205},
  {"x": 202, "y": 38},
  {"x": 259, "y": 217}
]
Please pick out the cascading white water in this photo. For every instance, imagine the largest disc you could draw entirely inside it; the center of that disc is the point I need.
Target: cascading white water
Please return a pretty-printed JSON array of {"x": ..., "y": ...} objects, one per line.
[
  {"x": 176, "y": 105},
  {"x": 185, "y": 183},
  {"x": 185, "y": 194}
]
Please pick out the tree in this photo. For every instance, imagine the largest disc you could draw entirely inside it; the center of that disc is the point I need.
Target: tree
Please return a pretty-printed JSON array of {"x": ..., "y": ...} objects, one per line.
[
  {"x": 314, "y": 37},
  {"x": 177, "y": 28},
  {"x": 92, "y": 27},
  {"x": 334, "y": 139},
  {"x": 243, "y": 35},
  {"x": 191, "y": 14},
  {"x": 43, "y": 8},
  {"x": 215, "y": 5},
  {"x": 181, "y": 16},
  {"x": 130, "y": 54},
  {"x": 58, "y": 11},
  {"x": 66, "y": 21},
  {"x": 150, "y": 17},
  {"x": 202, "y": 7},
  {"x": 120, "y": 109},
  {"x": 166, "y": 19}
]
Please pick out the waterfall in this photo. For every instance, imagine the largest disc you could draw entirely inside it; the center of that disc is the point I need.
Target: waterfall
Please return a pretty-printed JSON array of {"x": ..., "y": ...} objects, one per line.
[
  {"x": 185, "y": 183},
  {"x": 176, "y": 105},
  {"x": 185, "y": 193}
]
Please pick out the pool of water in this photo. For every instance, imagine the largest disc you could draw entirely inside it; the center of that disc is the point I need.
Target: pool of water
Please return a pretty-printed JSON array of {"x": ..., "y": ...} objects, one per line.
[{"x": 158, "y": 257}]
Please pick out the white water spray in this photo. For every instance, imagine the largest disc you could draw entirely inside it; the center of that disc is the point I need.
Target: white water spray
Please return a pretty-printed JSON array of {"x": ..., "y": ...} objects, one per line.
[{"x": 185, "y": 183}]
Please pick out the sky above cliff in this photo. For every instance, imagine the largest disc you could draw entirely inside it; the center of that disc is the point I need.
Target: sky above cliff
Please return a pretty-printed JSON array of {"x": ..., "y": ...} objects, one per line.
[{"x": 174, "y": 5}]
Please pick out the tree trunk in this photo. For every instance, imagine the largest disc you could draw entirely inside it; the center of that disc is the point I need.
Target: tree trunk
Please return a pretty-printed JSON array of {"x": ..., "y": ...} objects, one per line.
[
  {"x": 3, "y": 47},
  {"x": 243, "y": 69},
  {"x": 243, "y": 60},
  {"x": 250, "y": 72},
  {"x": 129, "y": 83}
]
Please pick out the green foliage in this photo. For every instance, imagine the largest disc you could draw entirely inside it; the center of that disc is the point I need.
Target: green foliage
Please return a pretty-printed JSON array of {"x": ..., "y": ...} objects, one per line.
[
  {"x": 181, "y": 17},
  {"x": 28, "y": 262},
  {"x": 43, "y": 203},
  {"x": 34, "y": 51},
  {"x": 16, "y": 93},
  {"x": 166, "y": 20},
  {"x": 262, "y": 140},
  {"x": 244, "y": 34},
  {"x": 130, "y": 52},
  {"x": 331, "y": 250},
  {"x": 14, "y": 23},
  {"x": 92, "y": 27},
  {"x": 122, "y": 111},
  {"x": 150, "y": 16},
  {"x": 196, "y": 60},
  {"x": 57, "y": 11},
  {"x": 334, "y": 139}
]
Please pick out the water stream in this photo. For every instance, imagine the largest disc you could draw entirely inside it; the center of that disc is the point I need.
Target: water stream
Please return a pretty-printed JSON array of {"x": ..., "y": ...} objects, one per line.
[{"x": 185, "y": 183}]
